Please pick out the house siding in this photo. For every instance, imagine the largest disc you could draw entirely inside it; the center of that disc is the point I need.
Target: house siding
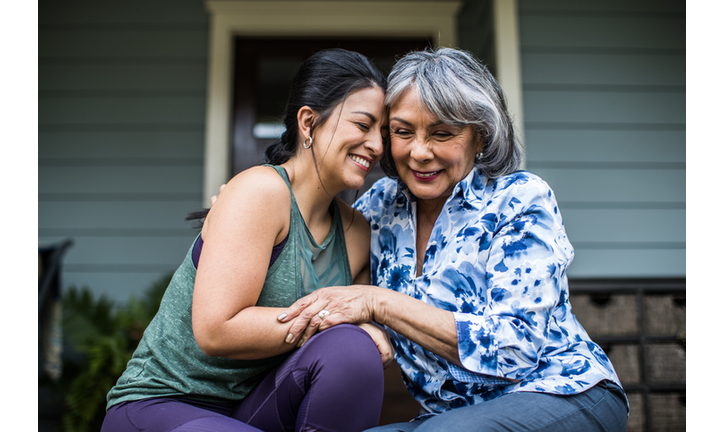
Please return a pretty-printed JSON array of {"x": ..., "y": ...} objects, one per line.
[
  {"x": 604, "y": 97},
  {"x": 121, "y": 119},
  {"x": 122, "y": 100}
]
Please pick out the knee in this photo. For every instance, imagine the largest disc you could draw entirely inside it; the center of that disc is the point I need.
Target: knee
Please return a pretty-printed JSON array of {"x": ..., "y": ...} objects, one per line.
[{"x": 350, "y": 345}]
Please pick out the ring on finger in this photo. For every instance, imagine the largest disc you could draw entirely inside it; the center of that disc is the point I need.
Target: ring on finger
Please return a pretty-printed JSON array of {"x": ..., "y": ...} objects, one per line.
[{"x": 324, "y": 313}]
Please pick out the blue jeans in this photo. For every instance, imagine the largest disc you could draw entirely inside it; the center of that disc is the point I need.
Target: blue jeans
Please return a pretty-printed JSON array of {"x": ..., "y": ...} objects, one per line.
[
  {"x": 333, "y": 383},
  {"x": 601, "y": 408}
]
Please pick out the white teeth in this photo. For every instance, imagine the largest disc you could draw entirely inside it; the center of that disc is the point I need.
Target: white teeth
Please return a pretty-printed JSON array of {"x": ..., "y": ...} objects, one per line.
[
  {"x": 360, "y": 161},
  {"x": 419, "y": 174}
]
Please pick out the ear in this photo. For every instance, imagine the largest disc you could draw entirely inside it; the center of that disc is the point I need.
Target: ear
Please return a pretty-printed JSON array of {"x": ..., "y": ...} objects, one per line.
[{"x": 305, "y": 120}]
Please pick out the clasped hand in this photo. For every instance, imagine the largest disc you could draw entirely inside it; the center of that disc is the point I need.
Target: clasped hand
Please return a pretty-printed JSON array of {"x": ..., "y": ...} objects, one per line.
[{"x": 344, "y": 304}]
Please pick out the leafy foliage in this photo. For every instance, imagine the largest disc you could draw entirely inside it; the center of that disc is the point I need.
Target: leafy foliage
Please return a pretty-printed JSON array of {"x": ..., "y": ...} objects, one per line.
[{"x": 105, "y": 336}]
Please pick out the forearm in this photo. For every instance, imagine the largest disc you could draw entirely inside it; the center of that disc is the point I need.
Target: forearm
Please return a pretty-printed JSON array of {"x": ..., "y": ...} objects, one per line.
[
  {"x": 430, "y": 327},
  {"x": 253, "y": 333}
]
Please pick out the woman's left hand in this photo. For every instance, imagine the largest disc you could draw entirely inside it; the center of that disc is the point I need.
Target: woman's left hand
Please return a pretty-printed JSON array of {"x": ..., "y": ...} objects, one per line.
[
  {"x": 328, "y": 307},
  {"x": 382, "y": 339}
]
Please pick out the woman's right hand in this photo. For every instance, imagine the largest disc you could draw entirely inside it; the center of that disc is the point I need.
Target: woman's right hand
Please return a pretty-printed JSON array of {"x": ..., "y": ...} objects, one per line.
[{"x": 382, "y": 339}]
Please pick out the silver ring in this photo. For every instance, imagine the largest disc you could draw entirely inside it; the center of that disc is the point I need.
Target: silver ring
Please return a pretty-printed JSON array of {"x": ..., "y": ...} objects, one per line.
[{"x": 324, "y": 313}]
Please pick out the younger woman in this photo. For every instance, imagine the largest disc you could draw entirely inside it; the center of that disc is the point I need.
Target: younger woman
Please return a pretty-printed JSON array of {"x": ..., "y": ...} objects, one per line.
[{"x": 215, "y": 357}]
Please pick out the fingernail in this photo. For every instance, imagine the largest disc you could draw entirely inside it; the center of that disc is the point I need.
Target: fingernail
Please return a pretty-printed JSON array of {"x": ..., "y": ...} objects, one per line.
[
  {"x": 289, "y": 338},
  {"x": 282, "y": 317}
]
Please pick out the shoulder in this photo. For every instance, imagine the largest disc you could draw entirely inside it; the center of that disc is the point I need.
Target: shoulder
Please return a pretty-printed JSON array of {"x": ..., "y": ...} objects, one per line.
[
  {"x": 254, "y": 194},
  {"x": 260, "y": 179},
  {"x": 260, "y": 184},
  {"x": 520, "y": 181},
  {"x": 519, "y": 187}
]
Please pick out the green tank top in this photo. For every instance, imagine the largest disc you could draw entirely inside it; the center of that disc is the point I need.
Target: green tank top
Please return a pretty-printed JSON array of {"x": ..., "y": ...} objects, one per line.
[{"x": 168, "y": 362}]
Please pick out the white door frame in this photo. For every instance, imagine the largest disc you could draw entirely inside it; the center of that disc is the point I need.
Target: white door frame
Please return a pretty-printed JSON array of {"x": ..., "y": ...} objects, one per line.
[{"x": 436, "y": 20}]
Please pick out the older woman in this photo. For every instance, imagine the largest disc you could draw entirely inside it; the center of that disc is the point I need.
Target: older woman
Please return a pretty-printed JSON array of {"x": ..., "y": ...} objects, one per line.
[{"x": 469, "y": 259}]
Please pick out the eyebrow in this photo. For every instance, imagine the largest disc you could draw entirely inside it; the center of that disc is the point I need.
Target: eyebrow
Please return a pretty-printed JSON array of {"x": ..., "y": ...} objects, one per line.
[
  {"x": 373, "y": 118},
  {"x": 434, "y": 124}
]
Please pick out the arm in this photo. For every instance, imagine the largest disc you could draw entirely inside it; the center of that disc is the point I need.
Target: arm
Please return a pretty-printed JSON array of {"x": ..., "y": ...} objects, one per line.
[{"x": 226, "y": 322}]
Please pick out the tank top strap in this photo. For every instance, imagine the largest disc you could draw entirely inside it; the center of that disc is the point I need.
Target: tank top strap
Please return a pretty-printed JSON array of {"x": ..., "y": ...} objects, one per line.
[
  {"x": 283, "y": 174},
  {"x": 319, "y": 265}
]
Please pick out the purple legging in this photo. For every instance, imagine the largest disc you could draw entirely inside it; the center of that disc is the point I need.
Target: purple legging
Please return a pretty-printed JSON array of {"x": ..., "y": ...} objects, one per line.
[{"x": 333, "y": 383}]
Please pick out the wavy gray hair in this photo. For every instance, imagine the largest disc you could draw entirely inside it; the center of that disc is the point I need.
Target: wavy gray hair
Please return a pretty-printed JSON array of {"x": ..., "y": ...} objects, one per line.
[{"x": 455, "y": 87}]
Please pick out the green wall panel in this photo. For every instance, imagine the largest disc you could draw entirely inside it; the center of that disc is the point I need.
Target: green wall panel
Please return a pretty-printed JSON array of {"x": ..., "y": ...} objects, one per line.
[
  {"x": 149, "y": 110},
  {"x": 627, "y": 108},
  {"x": 604, "y": 94},
  {"x": 623, "y": 263},
  {"x": 625, "y": 227},
  {"x": 634, "y": 186},
  {"x": 604, "y": 146},
  {"x": 169, "y": 145},
  {"x": 91, "y": 218},
  {"x": 124, "y": 180}
]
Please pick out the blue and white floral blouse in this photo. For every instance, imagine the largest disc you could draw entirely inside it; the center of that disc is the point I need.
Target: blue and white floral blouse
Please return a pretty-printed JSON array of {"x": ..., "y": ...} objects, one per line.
[{"x": 497, "y": 258}]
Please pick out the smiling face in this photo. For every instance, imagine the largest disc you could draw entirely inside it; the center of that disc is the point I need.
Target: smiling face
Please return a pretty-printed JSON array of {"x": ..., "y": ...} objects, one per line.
[
  {"x": 431, "y": 157},
  {"x": 349, "y": 143}
]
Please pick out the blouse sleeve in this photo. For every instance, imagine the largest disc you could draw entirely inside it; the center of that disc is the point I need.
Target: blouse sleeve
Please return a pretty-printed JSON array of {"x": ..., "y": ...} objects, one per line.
[{"x": 525, "y": 266}]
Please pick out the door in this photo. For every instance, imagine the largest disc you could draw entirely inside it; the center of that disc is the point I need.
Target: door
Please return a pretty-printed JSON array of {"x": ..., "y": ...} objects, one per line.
[{"x": 263, "y": 72}]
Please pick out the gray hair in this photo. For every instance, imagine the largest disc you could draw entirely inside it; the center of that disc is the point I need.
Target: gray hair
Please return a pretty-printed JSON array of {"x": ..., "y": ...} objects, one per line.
[{"x": 455, "y": 87}]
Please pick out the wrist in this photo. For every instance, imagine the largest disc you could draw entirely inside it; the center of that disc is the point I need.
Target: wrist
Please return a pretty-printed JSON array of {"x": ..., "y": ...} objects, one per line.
[{"x": 379, "y": 305}]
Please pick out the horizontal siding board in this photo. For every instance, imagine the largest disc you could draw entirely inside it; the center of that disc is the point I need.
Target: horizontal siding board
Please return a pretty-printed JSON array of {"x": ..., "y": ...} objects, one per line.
[
  {"x": 128, "y": 216},
  {"x": 605, "y": 107},
  {"x": 147, "y": 77},
  {"x": 113, "y": 43},
  {"x": 125, "y": 253},
  {"x": 557, "y": 31},
  {"x": 93, "y": 12},
  {"x": 612, "y": 186},
  {"x": 76, "y": 145},
  {"x": 634, "y": 226},
  {"x": 620, "y": 6},
  {"x": 603, "y": 69},
  {"x": 605, "y": 146},
  {"x": 645, "y": 263},
  {"x": 120, "y": 180},
  {"x": 182, "y": 110}
]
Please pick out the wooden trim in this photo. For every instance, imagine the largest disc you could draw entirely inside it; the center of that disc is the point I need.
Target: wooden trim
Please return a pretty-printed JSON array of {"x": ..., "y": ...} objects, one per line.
[
  {"x": 507, "y": 61},
  {"x": 433, "y": 19}
]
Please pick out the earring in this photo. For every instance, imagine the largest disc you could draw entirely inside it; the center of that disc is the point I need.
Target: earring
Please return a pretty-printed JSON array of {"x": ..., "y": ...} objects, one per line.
[
  {"x": 306, "y": 146},
  {"x": 478, "y": 156}
]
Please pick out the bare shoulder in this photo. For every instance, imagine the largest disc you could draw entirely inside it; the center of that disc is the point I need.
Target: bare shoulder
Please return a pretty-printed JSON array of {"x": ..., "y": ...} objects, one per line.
[
  {"x": 256, "y": 194},
  {"x": 258, "y": 180}
]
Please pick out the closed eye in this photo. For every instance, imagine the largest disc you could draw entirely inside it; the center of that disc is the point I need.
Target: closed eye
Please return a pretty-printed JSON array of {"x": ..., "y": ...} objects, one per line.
[{"x": 400, "y": 132}]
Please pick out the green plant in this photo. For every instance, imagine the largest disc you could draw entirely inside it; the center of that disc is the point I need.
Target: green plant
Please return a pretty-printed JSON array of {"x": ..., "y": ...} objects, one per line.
[{"x": 105, "y": 337}]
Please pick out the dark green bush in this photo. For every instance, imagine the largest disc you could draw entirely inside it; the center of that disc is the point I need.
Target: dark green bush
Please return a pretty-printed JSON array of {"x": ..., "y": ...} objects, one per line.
[{"x": 103, "y": 337}]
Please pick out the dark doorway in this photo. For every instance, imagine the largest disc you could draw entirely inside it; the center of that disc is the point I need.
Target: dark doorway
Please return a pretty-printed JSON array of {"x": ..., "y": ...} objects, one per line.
[{"x": 263, "y": 72}]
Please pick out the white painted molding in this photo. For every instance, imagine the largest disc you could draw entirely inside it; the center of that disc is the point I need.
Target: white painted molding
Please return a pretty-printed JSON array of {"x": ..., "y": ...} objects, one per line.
[
  {"x": 507, "y": 52},
  {"x": 434, "y": 19}
]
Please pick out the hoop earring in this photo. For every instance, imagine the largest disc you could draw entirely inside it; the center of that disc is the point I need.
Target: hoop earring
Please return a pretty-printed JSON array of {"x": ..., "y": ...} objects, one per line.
[{"x": 305, "y": 145}]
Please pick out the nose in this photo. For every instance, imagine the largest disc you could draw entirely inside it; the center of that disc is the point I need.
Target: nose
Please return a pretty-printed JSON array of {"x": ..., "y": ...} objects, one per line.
[
  {"x": 420, "y": 150},
  {"x": 376, "y": 145}
]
